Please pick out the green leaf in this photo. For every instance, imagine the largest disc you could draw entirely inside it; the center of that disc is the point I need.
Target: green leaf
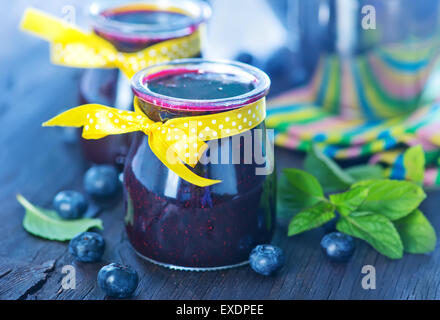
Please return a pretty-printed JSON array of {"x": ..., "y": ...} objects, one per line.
[
  {"x": 46, "y": 223},
  {"x": 311, "y": 218},
  {"x": 414, "y": 163},
  {"x": 328, "y": 173},
  {"x": 297, "y": 190},
  {"x": 391, "y": 198},
  {"x": 350, "y": 200},
  {"x": 376, "y": 229},
  {"x": 417, "y": 234},
  {"x": 366, "y": 172}
]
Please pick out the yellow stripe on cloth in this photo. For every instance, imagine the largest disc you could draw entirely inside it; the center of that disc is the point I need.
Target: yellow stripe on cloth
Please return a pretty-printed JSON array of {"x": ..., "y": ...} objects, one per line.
[
  {"x": 70, "y": 46},
  {"x": 176, "y": 142}
]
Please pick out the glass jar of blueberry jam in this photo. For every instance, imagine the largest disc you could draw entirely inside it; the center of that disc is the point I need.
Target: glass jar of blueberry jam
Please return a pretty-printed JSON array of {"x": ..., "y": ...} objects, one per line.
[
  {"x": 131, "y": 26},
  {"x": 174, "y": 223}
]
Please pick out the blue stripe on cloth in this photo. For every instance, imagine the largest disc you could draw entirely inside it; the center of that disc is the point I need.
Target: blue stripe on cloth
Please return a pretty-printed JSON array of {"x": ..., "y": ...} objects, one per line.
[
  {"x": 287, "y": 109},
  {"x": 398, "y": 169},
  {"x": 403, "y": 65}
]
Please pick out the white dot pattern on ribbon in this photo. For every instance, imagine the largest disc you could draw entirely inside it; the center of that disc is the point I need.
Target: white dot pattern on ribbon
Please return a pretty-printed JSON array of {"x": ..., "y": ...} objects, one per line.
[
  {"x": 83, "y": 55},
  {"x": 187, "y": 136}
]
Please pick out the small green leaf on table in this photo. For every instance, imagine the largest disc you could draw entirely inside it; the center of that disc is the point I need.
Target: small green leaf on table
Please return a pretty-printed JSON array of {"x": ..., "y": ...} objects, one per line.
[
  {"x": 417, "y": 234},
  {"x": 376, "y": 229},
  {"x": 311, "y": 218},
  {"x": 328, "y": 173},
  {"x": 391, "y": 198},
  {"x": 46, "y": 223},
  {"x": 297, "y": 190}
]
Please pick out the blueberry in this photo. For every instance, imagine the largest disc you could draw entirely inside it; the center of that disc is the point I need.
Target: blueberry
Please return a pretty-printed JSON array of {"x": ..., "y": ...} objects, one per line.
[
  {"x": 118, "y": 281},
  {"x": 70, "y": 204},
  {"x": 87, "y": 247},
  {"x": 266, "y": 259},
  {"x": 338, "y": 246},
  {"x": 101, "y": 181}
]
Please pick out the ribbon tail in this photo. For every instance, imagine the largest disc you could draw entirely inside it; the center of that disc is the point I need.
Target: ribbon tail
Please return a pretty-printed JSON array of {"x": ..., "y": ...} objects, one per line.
[
  {"x": 75, "y": 117},
  {"x": 42, "y": 24},
  {"x": 86, "y": 115},
  {"x": 163, "y": 151}
]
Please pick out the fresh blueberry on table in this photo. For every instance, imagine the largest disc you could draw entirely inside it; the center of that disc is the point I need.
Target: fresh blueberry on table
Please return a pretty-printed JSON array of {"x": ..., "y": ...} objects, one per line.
[
  {"x": 117, "y": 280},
  {"x": 266, "y": 259},
  {"x": 87, "y": 247},
  {"x": 70, "y": 204},
  {"x": 338, "y": 246},
  {"x": 101, "y": 181}
]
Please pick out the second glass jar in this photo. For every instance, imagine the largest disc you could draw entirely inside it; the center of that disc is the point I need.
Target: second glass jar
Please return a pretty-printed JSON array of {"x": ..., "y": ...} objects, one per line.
[{"x": 131, "y": 27}]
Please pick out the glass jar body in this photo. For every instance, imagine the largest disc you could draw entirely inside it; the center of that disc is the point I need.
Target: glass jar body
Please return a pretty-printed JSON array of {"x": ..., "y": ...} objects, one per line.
[{"x": 173, "y": 223}]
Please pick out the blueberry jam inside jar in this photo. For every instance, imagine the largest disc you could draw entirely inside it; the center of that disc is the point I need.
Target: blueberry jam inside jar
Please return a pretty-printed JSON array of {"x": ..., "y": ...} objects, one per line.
[
  {"x": 131, "y": 26},
  {"x": 172, "y": 222}
]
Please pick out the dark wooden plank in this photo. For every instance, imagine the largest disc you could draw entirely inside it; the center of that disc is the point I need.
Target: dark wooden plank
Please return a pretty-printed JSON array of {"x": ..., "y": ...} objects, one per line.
[{"x": 19, "y": 280}]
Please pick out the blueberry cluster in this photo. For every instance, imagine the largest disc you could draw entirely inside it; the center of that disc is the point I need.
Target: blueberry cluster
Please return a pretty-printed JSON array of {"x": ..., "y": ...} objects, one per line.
[{"x": 100, "y": 181}]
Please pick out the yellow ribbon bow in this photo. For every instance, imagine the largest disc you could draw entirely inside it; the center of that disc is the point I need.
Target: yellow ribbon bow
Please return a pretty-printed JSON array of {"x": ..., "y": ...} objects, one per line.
[
  {"x": 73, "y": 47},
  {"x": 175, "y": 142}
]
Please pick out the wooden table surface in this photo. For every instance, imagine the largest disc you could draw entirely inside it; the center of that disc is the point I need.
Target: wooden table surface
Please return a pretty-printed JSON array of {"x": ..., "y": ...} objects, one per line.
[{"x": 37, "y": 163}]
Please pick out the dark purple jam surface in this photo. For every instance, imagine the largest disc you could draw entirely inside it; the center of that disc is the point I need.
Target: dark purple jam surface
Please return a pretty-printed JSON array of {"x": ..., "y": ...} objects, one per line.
[
  {"x": 164, "y": 21},
  {"x": 197, "y": 85}
]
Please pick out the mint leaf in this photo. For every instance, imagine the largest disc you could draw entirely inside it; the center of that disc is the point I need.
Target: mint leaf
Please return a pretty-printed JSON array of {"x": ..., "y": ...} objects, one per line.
[
  {"x": 414, "y": 163},
  {"x": 376, "y": 229},
  {"x": 391, "y": 198},
  {"x": 417, "y": 234},
  {"x": 311, "y": 218},
  {"x": 46, "y": 223},
  {"x": 328, "y": 173},
  {"x": 349, "y": 201},
  {"x": 297, "y": 190},
  {"x": 365, "y": 172}
]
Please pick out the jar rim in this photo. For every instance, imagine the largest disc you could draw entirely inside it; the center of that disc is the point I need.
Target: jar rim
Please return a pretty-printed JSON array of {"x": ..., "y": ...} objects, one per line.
[
  {"x": 255, "y": 75},
  {"x": 197, "y": 10}
]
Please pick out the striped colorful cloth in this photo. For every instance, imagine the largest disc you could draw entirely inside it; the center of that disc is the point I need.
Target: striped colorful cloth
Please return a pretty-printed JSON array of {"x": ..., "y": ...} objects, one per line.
[{"x": 372, "y": 107}]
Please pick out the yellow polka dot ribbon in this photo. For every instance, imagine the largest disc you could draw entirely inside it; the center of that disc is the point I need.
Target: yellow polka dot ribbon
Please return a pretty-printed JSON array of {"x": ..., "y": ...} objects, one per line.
[
  {"x": 176, "y": 142},
  {"x": 73, "y": 47}
]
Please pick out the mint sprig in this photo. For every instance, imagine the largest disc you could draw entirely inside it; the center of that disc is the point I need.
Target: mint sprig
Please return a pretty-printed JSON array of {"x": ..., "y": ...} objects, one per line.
[
  {"x": 392, "y": 198},
  {"x": 379, "y": 211},
  {"x": 376, "y": 229},
  {"x": 312, "y": 217},
  {"x": 328, "y": 173},
  {"x": 297, "y": 190}
]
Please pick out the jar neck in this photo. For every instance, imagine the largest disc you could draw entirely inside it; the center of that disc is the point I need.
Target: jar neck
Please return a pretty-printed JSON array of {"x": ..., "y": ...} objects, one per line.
[
  {"x": 158, "y": 113},
  {"x": 134, "y": 27}
]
